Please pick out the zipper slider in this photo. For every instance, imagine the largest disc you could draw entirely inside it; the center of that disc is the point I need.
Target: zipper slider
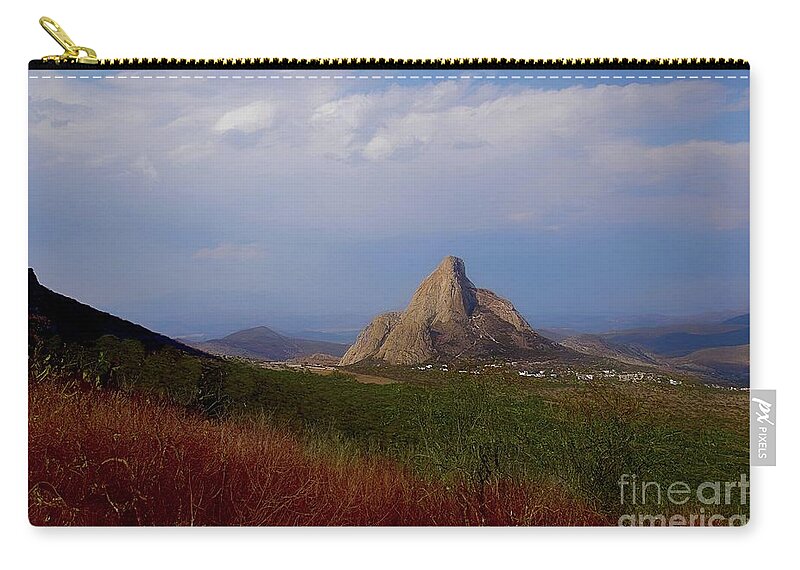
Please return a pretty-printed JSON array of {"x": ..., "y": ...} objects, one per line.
[{"x": 72, "y": 52}]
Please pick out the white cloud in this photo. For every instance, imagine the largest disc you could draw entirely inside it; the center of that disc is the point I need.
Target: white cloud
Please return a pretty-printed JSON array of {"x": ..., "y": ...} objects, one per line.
[
  {"x": 377, "y": 156},
  {"x": 380, "y": 147},
  {"x": 145, "y": 168},
  {"x": 693, "y": 181},
  {"x": 250, "y": 118}
]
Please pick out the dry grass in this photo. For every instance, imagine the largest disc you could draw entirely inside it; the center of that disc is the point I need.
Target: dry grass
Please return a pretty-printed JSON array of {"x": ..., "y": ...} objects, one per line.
[{"x": 108, "y": 458}]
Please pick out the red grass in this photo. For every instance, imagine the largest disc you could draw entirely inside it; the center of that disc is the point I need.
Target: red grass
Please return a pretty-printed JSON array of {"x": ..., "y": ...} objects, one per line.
[{"x": 108, "y": 458}]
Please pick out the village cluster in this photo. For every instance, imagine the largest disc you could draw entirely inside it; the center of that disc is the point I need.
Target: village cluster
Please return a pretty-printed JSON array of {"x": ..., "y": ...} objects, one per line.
[{"x": 521, "y": 369}]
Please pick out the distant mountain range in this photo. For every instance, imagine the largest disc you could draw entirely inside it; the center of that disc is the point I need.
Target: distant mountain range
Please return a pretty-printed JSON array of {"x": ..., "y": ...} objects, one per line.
[
  {"x": 740, "y": 320},
  {"x": 569, "y": 324},
  {"x": 51, "y": 314},
  {"x": 717, "y": 350},
  {"x": 263, "y": 343},
  {"x": 680, "y": 340}
]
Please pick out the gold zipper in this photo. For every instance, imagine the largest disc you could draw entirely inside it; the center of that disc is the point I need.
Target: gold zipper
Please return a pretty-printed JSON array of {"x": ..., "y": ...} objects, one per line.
[
  {"x": 72, "y": 52},
  {"x": 79, "y": 56}
]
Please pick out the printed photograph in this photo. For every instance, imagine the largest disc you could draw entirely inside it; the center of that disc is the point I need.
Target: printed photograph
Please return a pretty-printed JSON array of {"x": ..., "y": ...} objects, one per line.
[{"x": 388, "y": 298}]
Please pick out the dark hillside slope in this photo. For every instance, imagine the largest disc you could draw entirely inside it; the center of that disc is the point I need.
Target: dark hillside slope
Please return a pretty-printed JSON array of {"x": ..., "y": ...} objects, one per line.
[{"x": 51, "y": 314}]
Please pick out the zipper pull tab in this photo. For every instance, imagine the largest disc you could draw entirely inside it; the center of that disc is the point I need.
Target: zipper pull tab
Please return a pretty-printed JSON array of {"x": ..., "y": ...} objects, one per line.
[{"x": 72, "y": 52}]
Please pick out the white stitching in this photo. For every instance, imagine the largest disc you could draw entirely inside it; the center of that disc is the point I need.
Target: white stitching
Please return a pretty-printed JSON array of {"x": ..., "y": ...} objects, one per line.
[{"x": 390, "y": 77}]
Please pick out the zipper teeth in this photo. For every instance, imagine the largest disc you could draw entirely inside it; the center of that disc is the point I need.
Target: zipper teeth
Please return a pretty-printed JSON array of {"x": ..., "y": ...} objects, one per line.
[{"x": 382, "y": 63}]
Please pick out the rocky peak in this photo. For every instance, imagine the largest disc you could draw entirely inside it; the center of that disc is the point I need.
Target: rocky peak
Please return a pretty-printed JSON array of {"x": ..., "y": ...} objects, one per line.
[
  {"x": 452, "y": 266},
  {"x": 445, "y": 295},
  {"x": 448, "y": 318}
]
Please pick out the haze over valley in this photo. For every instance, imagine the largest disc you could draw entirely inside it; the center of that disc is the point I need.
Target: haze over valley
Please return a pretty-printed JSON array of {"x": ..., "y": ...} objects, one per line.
[{"x": 449, "y": 319}]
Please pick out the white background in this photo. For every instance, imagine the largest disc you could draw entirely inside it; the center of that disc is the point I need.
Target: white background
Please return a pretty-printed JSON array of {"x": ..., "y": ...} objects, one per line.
[{"x": 761, "y": 33}]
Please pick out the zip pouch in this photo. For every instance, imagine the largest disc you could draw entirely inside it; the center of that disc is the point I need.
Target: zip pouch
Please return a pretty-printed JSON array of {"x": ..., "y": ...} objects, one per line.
[{"x": 380, "y": 292}]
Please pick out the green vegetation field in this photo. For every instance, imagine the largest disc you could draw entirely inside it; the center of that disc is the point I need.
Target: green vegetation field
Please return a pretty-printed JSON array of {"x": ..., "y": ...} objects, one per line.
[{"x": 453, "y": 430}]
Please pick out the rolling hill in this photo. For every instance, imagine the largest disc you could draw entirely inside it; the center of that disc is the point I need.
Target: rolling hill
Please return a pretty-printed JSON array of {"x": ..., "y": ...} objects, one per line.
[
  {"x": 719, "y": 350},
  {"x": 263, "y": 343}
]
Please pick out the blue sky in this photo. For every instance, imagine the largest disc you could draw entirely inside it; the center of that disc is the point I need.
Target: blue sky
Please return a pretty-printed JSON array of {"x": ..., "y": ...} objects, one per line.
[{"x": 204, "y": 205}]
